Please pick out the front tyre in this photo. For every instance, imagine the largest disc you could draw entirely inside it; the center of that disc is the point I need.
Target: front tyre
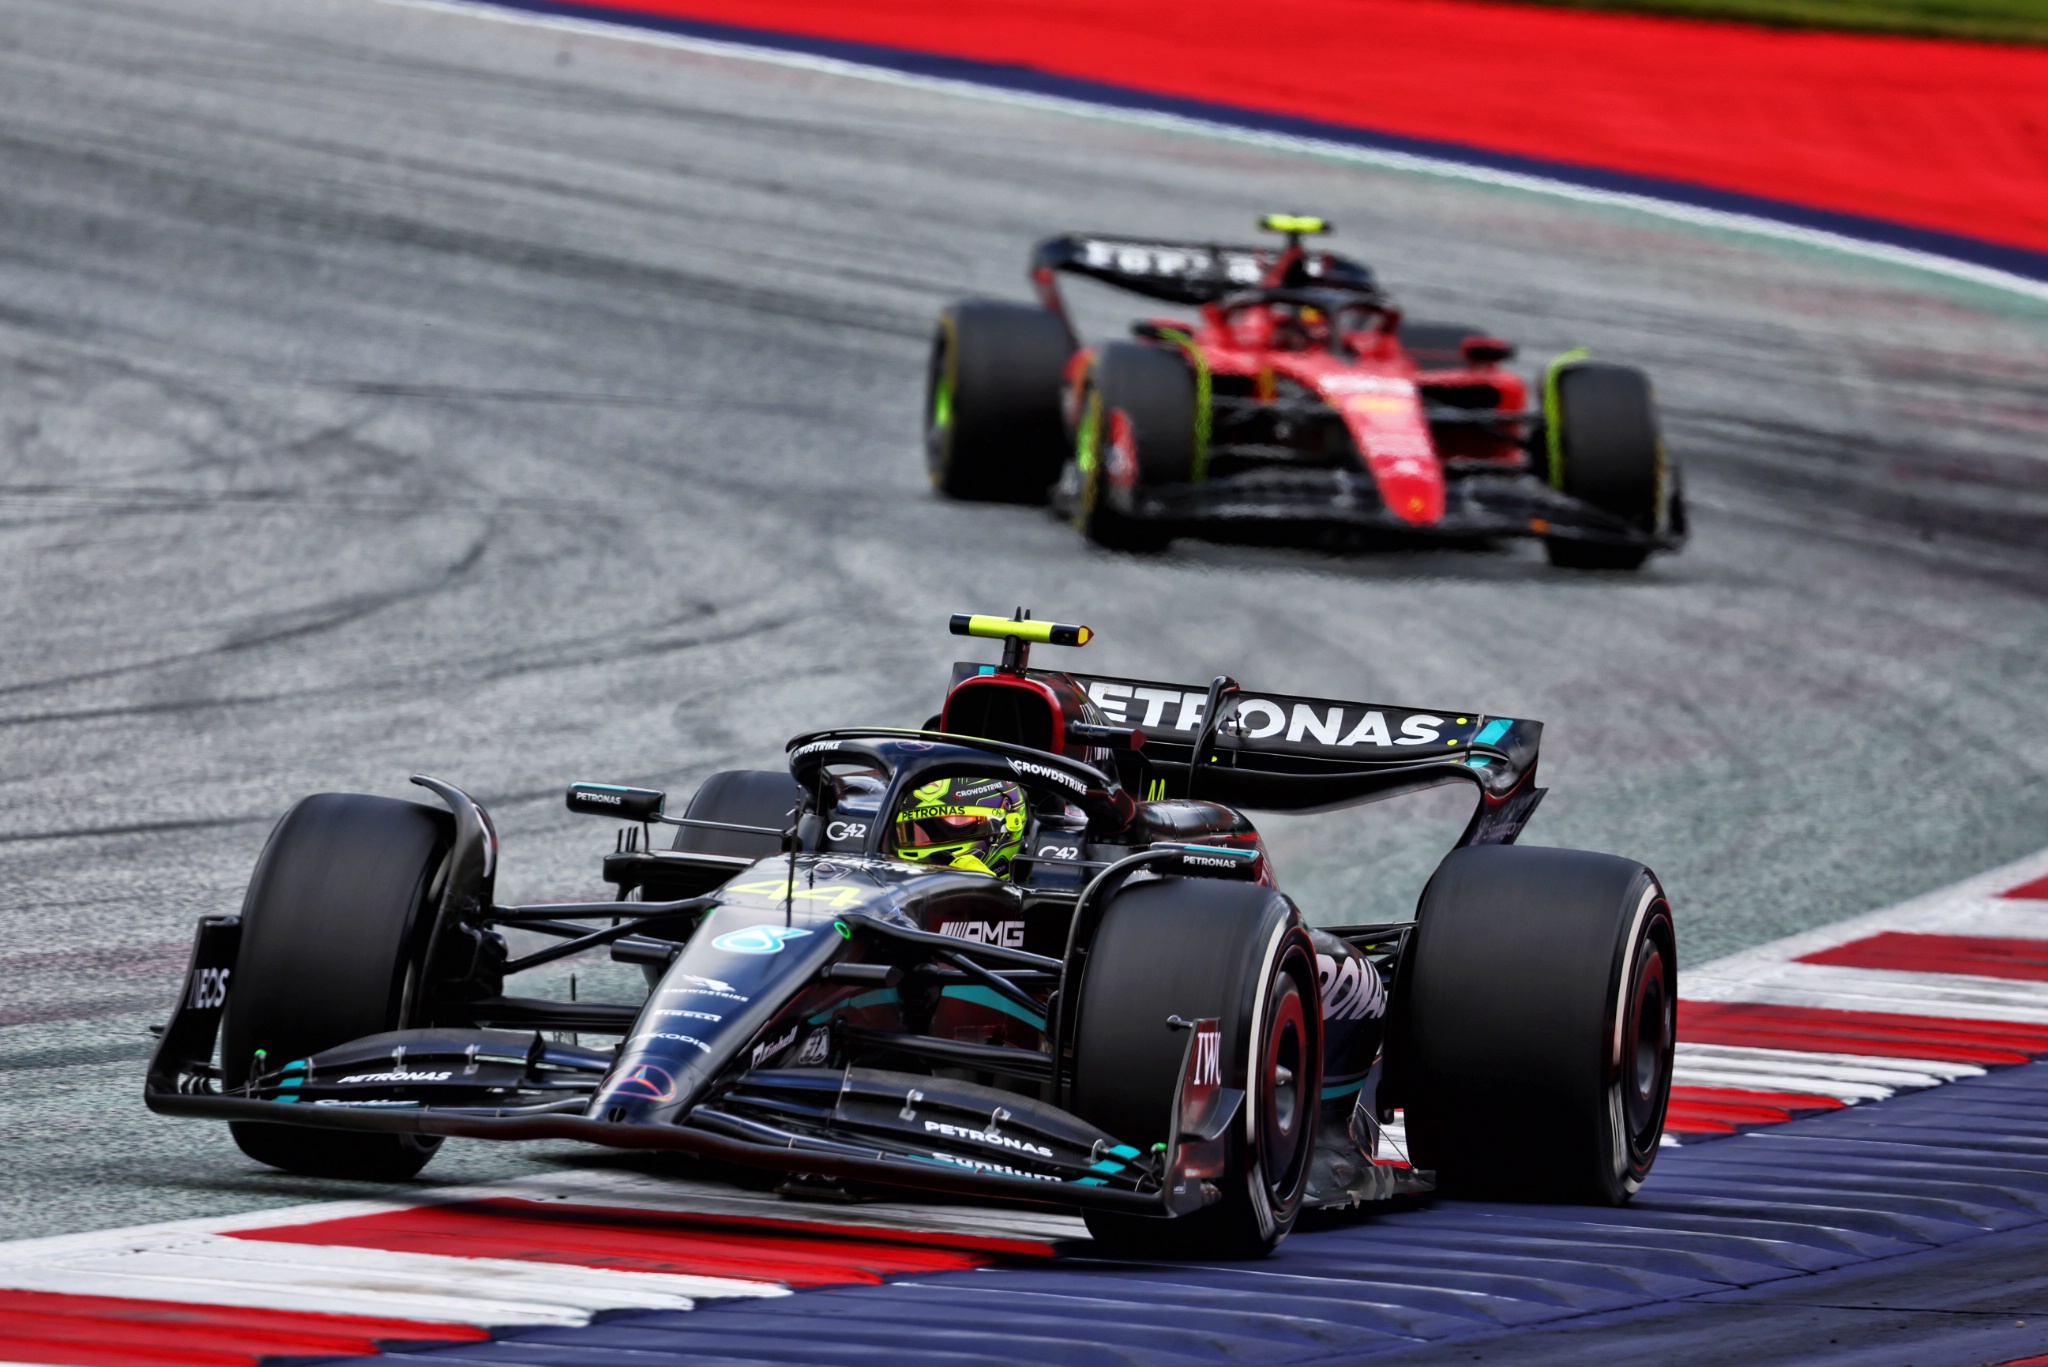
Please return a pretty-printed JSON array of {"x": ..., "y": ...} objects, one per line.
[
  {"x": 1534, "y": 1022},
  {"x": 993, "y": 427},
  {"x": 1137, "y": 431},
  {"x": 1196, "y": 949},
  {"x": 1605, "y": 449},
  {"x": 334, "y": 927}
]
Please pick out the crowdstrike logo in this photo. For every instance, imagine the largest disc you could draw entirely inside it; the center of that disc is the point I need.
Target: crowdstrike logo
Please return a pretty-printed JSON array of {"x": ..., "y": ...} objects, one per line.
[{"x": 1027, "y": 769}]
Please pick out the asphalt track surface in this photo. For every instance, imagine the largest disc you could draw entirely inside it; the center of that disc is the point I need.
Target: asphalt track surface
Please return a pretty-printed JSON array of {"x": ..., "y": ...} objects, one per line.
[{"x": 387, "y": 390}]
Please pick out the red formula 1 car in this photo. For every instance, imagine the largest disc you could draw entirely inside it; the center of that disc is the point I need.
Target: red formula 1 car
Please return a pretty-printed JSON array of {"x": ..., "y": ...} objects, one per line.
[{"x": 1301, "y": 406}]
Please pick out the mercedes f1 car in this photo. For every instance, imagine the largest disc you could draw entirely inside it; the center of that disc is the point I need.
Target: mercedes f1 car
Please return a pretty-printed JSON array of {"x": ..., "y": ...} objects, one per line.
[
  {"x": 1034, "y": 952},
  {"x": 1301, "y": 406}
]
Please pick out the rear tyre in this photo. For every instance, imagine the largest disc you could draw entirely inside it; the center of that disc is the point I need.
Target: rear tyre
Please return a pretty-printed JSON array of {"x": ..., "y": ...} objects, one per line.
[
  {"x": 1197, "y": 948},
  {"x": 1138, "y": 431},
  {"x": 334, "y": 927},
  {"x": 1534, "y": 1024},
  {"x": 745, "y": 797},
  {"x": 993, "y": 427},
  {"x": 1606, "y": 450}
]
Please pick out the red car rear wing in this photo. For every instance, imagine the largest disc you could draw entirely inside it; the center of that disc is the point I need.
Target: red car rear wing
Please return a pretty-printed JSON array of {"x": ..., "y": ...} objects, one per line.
[{"x": 1185, "y": 272}]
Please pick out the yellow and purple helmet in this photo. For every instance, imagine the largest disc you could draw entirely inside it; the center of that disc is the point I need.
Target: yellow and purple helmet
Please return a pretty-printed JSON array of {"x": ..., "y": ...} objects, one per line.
[{"x": 964, "y": 823}]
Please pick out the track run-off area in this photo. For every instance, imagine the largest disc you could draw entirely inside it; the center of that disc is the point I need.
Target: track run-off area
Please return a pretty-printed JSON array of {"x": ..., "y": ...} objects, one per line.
[{"x": 389, "y": 389}]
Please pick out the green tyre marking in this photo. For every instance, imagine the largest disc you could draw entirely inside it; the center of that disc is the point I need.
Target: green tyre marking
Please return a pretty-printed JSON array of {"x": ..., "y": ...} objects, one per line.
[
  {"x": 1553, "y": 430},
  {"x": 943, "y": 384},
  {"x": 1200, "y": 361}
]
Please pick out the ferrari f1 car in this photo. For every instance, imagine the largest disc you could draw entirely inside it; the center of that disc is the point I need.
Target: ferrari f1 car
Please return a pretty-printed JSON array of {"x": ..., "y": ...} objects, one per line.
[
  {"x": 1300, "y": 406},
  {"x": 1033, "y": 952}
]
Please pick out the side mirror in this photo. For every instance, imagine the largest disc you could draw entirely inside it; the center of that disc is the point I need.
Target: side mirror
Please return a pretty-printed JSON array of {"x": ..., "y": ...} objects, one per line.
[
  {"x": 606, "y": 799},
  {"x": 1486, "y": 350}
]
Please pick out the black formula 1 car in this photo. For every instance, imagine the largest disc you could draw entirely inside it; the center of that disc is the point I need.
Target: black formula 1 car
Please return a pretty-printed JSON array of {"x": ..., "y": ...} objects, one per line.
[
  {"x": 1300, "y": 407},
  {"x": 1125, "y": 1016}
]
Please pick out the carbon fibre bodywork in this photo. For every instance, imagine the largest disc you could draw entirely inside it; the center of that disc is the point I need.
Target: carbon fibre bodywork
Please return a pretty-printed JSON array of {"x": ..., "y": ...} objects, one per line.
[
  {"x": 833, "y": 1010},
  {"x": 1321, "y": 414}
]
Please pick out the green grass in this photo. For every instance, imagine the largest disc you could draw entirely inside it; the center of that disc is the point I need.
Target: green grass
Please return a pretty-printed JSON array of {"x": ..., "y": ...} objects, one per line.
[{"x": 2006, "y": 21}]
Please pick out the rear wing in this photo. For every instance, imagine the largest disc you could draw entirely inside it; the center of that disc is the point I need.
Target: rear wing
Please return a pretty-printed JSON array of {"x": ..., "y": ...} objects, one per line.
[
  {"x": 1277, "y": 752},
  {"x": 1186, "y": 272}
]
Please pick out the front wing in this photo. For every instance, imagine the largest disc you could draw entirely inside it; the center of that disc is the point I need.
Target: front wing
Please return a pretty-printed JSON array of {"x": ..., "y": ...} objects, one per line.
[
  {"x": 1476, "y": 507},
  {"x": 897, "y": 1129}
]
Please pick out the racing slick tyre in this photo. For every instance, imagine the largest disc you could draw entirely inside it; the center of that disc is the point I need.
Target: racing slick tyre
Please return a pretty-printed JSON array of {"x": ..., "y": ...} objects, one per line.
[
  {"x": 993, "y": 427},
  {"x": 1606, "y": 450},
  {"x": 745, "y": 797},
  {"x": 1137, "y": 430},
  {"x": 334, "y": 927},
  {"x": 1199, "y": 948},
  {"x": 1534, "y": 1019}
]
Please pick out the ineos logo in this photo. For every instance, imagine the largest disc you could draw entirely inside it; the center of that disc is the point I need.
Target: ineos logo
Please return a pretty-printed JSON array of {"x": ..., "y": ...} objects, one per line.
[
  {"x": 210, "y": 988},
  {"x": 847, "y": 830}
]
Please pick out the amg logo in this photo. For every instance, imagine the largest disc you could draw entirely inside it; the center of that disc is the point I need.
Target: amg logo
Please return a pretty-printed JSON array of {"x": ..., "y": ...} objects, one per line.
[
  {"x": 1003, "y": 934},
  {"x": 400, "y": 1076},
  {"x": 986, "y": 1137},
  {"x": 1027, "y": 769},
  {"x": 1208, "y": 1057}
]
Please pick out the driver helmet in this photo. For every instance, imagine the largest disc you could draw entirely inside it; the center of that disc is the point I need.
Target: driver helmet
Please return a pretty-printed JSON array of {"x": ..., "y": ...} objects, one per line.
[{"x": 975, "y": 824}]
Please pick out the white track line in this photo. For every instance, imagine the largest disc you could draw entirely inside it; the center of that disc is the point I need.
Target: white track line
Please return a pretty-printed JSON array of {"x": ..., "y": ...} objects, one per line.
[
  {"x": 1722, "y": 220},
  {"x": 1950, "y": 996},
  {"x": 338, "y": 1280}
]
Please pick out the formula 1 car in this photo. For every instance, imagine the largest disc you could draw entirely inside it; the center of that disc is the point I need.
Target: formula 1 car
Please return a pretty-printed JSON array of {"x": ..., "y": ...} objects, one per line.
[
  {"x": 1106, "y": 1005},
  {"x": 1302, "y": 407}
]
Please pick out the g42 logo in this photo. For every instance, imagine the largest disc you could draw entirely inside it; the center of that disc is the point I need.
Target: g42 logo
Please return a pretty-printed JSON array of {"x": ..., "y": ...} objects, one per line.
[
  {"x": 846, "y": 830},
  {"x": 210, "y": 988},
  {"x": 757, "y": 939},
  {"x": 1059, "y": 852}
]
